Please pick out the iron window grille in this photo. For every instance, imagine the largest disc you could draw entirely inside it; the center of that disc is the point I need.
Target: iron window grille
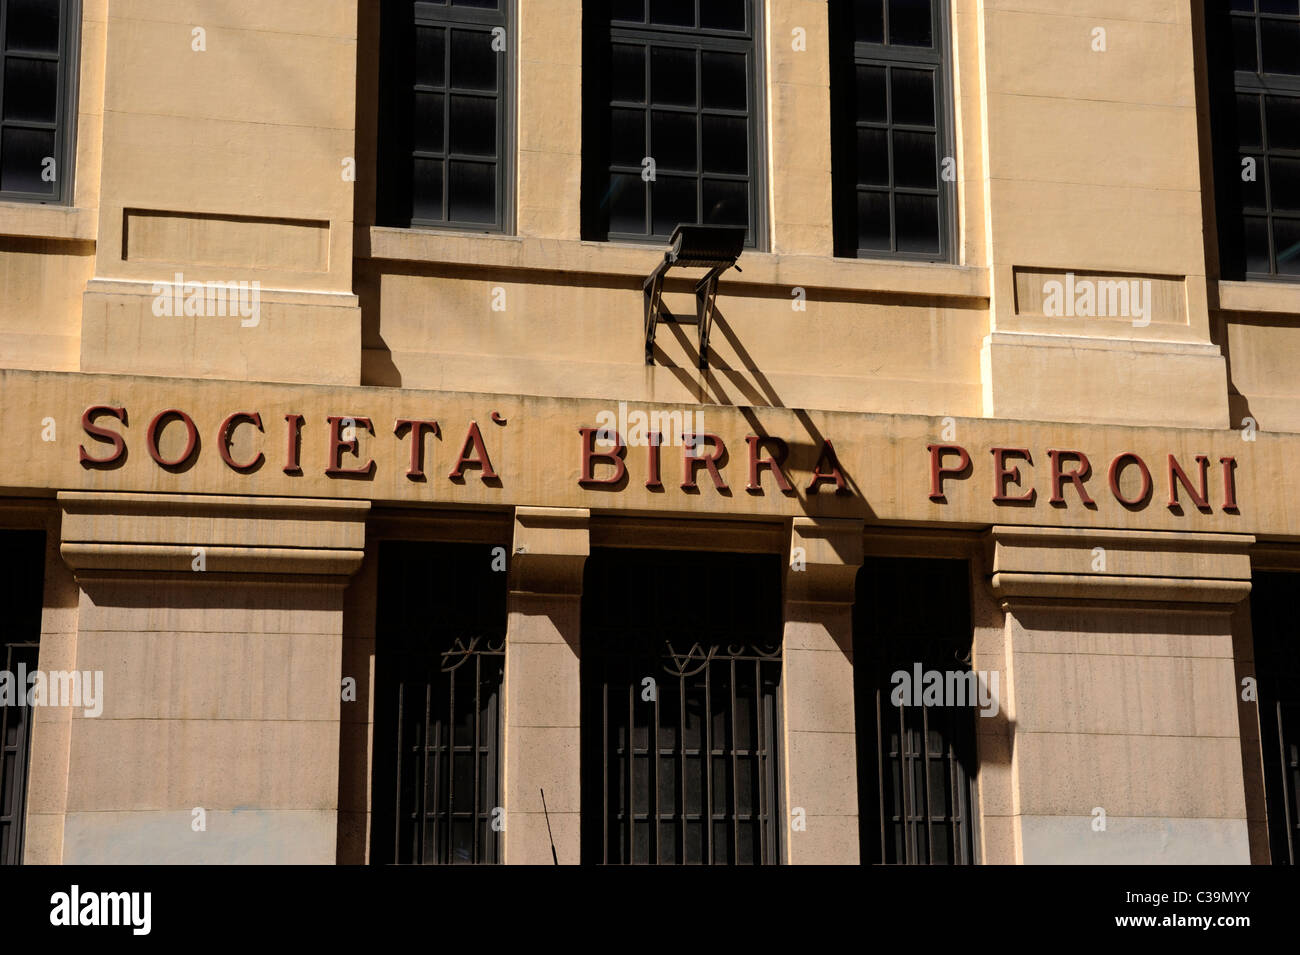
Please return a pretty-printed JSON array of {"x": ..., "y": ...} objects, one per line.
[
  {"x": 440, "y": 664},
  {"x": 445, "y": 114},
  {"x": 1277, "y": 672},
  {"x": 916, "y": 763},
  {"x": 1254, "y": 66},
  {"x": 680, "y": 712},
  {"x": 22, "y": 568},
  {"x": 676, "y": 83},
  {"x": 38, "y": 84},
  {"x": 891, "y": 130}
]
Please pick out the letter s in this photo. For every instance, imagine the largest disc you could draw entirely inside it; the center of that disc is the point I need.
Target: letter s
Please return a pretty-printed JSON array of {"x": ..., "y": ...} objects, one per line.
[{"x": 103, "y": 434}]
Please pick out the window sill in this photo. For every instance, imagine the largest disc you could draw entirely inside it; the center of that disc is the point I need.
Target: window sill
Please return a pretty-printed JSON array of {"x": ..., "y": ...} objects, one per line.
[
  {"x": 635, "y": 261},
  {"x": 1281, "y": 297},
  {"x": 34, "y": 220}
]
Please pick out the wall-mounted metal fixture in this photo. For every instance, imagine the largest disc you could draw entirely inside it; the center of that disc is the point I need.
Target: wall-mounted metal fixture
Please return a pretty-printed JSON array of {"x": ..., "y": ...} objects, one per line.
[{"x": 712, "y": 247}]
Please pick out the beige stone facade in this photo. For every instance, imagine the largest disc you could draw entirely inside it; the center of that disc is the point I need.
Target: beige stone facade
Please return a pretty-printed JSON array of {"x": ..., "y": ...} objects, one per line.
[{"x": 227, "y": 584}]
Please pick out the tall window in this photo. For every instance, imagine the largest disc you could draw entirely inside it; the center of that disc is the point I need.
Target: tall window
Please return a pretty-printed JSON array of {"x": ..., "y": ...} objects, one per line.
[
  {"x": 1277, "y": 669},
  {"x": 1255, "y": 117},
  {"x": 891, "y": 129},
  {"x": 37, "y": 92},
  {"x": 916, "y": 761},
  {"x": 681, "y": 661},
  {"x": 671, "y": 117},
  {"x": 444, "y": 114},
  {"x": 22, "y": 563},
  {"x": 439, "y": 663}
]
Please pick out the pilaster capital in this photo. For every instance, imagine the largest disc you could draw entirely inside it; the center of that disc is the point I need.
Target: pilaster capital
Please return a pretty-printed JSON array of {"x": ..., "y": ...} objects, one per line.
[
  {"x": 825, "y": 554},
  {"x": 550, "y": 550}
]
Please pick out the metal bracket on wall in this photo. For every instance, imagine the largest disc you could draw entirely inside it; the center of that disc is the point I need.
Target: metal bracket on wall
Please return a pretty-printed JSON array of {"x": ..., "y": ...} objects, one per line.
[{"x": 693, "y": 246}]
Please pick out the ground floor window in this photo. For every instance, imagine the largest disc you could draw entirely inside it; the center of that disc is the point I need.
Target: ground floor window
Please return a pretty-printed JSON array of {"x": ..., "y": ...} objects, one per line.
[
  {"x": 22, "y": 563},
  {"x": 1277, "y": 672},
  {"x": 916, "y": 752},
  {"x": 439, "y": 664},
  {"x": 681, "y": 665}
]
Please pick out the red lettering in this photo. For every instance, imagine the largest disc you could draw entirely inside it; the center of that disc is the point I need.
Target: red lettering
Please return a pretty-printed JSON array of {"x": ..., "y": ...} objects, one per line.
[
  {"x": 473, "y": 444},
  {"x": 828, "y": 458},
  {"x": 937, "y": 471},
  {"x": 337, "y": 445},
  {"x": 590, "y": 456},
  {"x": 1229, "y": 483},
  {"x": 1178, "y": 476},
  {"x": 653, "y": 481},
  {"x": 224, "y": 436},
  {"x": 1002, "y": 476},
  {"x": 693, "y": 459},
  {"x": 291, "y": 464},
  {"x": 773, "y": 464},
  {"x": 1117, "y": 466},
  {"x": 155, "y": 429},
  {"x": 103, "y": 434},
  {"x": 418, "y": 428},
  {"x": 1075, "y": 477}
]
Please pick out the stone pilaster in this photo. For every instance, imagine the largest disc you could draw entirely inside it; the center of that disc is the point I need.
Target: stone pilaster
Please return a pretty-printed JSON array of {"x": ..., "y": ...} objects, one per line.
[
  {"x": 216, "y": 623},
  {"x": 820, "y": 756},
  {"x": 1119, "y": 698},
  {"x": 543, "y": 685}
]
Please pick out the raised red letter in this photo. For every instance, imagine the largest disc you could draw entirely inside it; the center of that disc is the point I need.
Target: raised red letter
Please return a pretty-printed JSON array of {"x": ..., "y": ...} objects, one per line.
[
  {"x": 1075, "y": 477},
  {"x": 223, "y": 440},
  {"x": 155, "y": 428},
  {"x": 828, "y": 458},
  {"x": 590, "y": 455},
  {"x": 337, "y": 445},
  {"x": 937, "y": 471},
  {"x": 103, "y": 434},
  {"x": 417, "y": 429},
  {"x": 774, "y": 464},
  {"x": 1117, "y": 466}
]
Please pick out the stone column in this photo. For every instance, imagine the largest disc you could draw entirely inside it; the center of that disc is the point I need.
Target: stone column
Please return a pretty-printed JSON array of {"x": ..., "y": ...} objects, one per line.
[
  {"x": 542, "y": 685},
  {"x": 820, "y": 751},
  {"x": 216, "y": 623},
  {"x": 1119, "y": 698}
]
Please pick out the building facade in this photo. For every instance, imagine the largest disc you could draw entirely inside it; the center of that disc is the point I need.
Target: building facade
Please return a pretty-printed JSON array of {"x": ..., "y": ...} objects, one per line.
[{"x": 366, "y": 498}]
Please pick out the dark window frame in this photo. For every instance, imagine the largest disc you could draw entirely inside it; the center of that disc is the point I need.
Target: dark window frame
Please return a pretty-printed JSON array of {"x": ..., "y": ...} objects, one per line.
[
  {"x": 1277, "y": 673},
  {"x": 23, "y": 564},
  {"x": 1227, "y": 84},
  {"x": 394, "y": 200},
  {"x": 618, "y": 656},
  {"x": 418, "y": 740},
  {"x": 65, "y": 117},
  {"x": 599, "y": 32},
  {"x": 878, "y": 651},
  {"x": 847, "y": 54}
]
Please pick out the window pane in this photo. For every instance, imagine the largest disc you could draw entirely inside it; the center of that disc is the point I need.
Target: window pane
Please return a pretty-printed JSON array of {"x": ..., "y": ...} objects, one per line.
[
  {"x": 912, "y": 97},
  {"x": 428, "y": 123},
  {"x": 1279, "y": 6},
  {"x": 1286, "y": 239},
  {"x": 1283, "y": 116},
  {"x": 1243, "y": 44},
  {"x": 1284, "y": 184},
  {"x": 1280, "y": 46},
  {"x": 430, "y": 56},
  {"x": 472, "y": 192},
  {"x": 31, "y": 89},
  {"x": 22, "y": 156},
  {"x": 722, "y": 14},
  {"x": 673, "y": 201},
  {"x": 725, "y": 144},
  {"x": 872, "y": 106},
  {"x": 873, "y": 221},
  {"x": 672, "y": 76},
  {"x": 1249, "y": 130},
  {"x": 673, "y": 12},
  {"x": 726, "y": 202},
  {"x": 473, "y": 125},
  {"x": 627, "y": 203},
  {"x": 723, "y": 84},
  {"x": 869, "y": 21},
  {"x": 672, "y": 141},
  {"x": 627, "y": 137},
  {"x": 1253, "y": 194},
  {"x": 1256, "y": 240},
  {"x": 633, "y": 10},
  {"x": 909, "y": 23},
  {"x": 917, "y": 223},
  {"x": 473, "y": 61},
  {"x": 627, "y": 73},
  {"x": 915, "y": 163},
  {"x": 873, "y": 157},
  {"x": 33, "y": 26}
]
